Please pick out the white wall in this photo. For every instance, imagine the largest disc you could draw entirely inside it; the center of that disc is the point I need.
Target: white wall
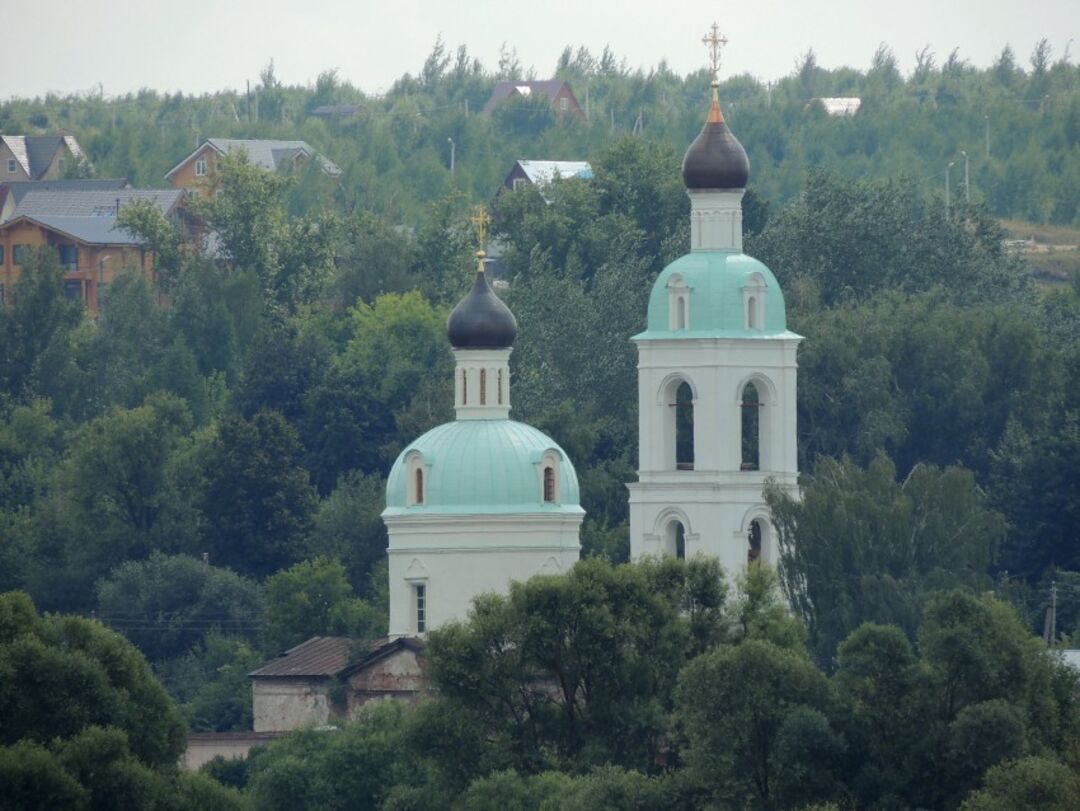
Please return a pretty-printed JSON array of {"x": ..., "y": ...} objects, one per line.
[{"x": 285, "y": 704}]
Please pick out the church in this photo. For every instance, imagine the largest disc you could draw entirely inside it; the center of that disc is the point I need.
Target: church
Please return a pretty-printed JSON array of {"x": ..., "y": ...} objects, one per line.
[
  {"x": 477, "y": 503},
  {"x": 480, "y": 502}
]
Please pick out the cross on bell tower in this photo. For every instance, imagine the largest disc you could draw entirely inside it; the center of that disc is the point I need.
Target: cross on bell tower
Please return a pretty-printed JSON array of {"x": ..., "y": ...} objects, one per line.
[{"x": 714, "y": 41}]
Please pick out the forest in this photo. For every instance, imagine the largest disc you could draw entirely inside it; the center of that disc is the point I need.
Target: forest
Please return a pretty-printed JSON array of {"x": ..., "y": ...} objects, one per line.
[{"x": 192, "y": 481}]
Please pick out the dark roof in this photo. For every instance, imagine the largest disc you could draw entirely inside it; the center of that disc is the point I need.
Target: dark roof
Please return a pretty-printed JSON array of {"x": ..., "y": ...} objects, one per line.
[
  {"x": 21, "y": 188},
  {"x": 503, "y": 90},
  {"x": 41, "y": 150},
  {"x": 328, "y": 110},
  {"x": 92, "y": 203},
  {"x": 481, "y": 320},
  {"x": 89, "y": 230},
  {"x": 319, "y": 656},
  {"x": 716, "y": 159}
]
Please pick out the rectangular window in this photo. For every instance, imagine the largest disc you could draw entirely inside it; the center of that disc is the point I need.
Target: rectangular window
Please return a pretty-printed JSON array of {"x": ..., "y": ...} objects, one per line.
[
  {"x": 12, "y": 166},
  {"x": 73, "y": 291},
  {"x": 564, "y": 104},
  {"x": 519, "y": 183},
  {"x": 200, "y": 167},
  {"x": 421, "y": 609},
  {"x": 69, "y": 257},
  {"x": 1, "y": 254},
  {"x": 18, "y": 254},
  {"x": 2, "y": 301},
  {"x": 60, "y": 166}
]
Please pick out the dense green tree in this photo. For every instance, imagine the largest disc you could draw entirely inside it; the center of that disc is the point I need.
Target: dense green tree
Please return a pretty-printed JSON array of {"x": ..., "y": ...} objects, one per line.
[
  {"x": 314, "y": 598},
  {"x": 859, "y": 546},
  {"x": 255, "y": 499},
  {"x": 348, "y": 526},
  {"x": 167, "y": 603},
  {"x": 1036, "y": 783}
]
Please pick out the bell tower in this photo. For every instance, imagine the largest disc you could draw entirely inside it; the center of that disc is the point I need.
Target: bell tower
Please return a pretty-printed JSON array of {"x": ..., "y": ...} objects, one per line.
[{"x": 716, "y": 376}]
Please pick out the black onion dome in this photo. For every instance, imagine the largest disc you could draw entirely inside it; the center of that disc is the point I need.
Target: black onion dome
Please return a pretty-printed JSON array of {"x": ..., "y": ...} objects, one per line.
[
  {"x": 716, "y": 159},
  {"x": 481, "y": 320}
]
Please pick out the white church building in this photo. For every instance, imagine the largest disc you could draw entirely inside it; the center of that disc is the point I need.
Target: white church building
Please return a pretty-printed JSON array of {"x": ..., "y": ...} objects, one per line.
[
  {"x": 716, "y": 379},
  {"x": 480, "y": 502}
]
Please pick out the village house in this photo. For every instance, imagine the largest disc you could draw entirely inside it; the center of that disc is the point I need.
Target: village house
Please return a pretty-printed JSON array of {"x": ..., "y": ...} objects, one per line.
[
  {"x": 37, "y": 157},
  {"x": 540, "y": 173},
  {"x": 197, "y": 171},
  {"x": 81, "y": 226},
  {"x": 557, "y": 91},
  {"x": 11, "y": 194}
]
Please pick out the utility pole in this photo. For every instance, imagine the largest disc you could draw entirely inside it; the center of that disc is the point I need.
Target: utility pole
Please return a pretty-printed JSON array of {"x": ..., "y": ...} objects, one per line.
[
  {"x": 249, "y": 100},
  {"x": 947, "y": 189},
  {"x": 768, "y": 95},
  {"x": 587, "y": 103},
  {"x": 987, "y": 136},
  {"x": 453, "y": 150},
  {"x": 1050, "y": 625},
  {"x": 612, "y": 119},
  {"x": 967, "y": 177}
]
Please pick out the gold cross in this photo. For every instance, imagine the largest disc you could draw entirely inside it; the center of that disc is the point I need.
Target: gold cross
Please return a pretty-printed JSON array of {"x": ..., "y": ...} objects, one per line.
[
  {"x": 481, "y": 220},
  {"x": 714, "y": 41}
]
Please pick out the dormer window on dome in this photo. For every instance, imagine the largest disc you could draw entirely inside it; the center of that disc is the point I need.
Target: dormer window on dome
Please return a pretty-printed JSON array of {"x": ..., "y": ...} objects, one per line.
[
  {"x": 548, "y": 468},
  {"x": 678, "y": 303},
  {"x": 416, "y": 479}
]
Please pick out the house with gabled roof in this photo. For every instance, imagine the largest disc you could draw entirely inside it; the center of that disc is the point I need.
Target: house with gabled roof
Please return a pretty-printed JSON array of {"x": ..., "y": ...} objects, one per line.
[
  {"x": 37, "y": 157},
  {"x": 540, "y": 173},
  {"x": 11, "y": 194},
  {"x": 557, "y": 91},
  {"x": 197, "y": 171},
  {"x": 82, "y": 227}
]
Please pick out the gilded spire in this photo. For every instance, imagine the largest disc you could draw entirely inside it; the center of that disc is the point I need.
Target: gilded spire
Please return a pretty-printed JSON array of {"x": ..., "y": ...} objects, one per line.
[
  {"x": 480, "y": 221},
  {"x": 714, "y": 41}
]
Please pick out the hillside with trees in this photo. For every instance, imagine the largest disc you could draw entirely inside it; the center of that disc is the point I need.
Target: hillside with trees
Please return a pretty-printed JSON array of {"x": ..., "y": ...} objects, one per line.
[{"x": 201, "y": 468}]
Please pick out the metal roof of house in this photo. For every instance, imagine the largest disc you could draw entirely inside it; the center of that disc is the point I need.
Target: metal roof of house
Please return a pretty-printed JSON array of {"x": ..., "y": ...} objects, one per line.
[
  {"x": 268, "y": 154},
  {"x": 503, "y": 90},
  {"x": 89, "y": 230},
  {"x": 21, "y": 188},
  {"x": 318, "y": 656},
  {"x": 336, "y": 109},
  {"x": 540, "y": 172},
  {"x": 93, "y": 203},
  {"x": 840, "y": 105}
]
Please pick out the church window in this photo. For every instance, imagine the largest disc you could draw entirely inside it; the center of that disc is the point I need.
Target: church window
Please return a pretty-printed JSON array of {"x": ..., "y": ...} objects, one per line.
[
  {"x": 421, "y": 608},
  {"x": 684, "y": 427},
  {"x": 464, "y": 387},
  {"x": 483, "y": 387},
  {"x": 549, "y": 483},
  {"x": 751, "y": 426},
  {"x": 675, "y": 539},
  {"x": 419, "y": 485},
  {"x": 754, "y": 301},
  {"x": 499, "y": 381},
  {"x": 680, "y": 541},
  {"x": 753, "y": 540},
  {"x": 678, "y": 303}
]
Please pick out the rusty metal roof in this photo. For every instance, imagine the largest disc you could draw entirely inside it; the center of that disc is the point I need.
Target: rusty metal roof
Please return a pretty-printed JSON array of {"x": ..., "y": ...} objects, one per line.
[{"x": 319, "y": 656}]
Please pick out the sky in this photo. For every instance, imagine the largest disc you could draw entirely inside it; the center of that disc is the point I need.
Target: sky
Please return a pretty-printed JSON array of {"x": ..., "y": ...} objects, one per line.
[{"x": 197, "y": 46}]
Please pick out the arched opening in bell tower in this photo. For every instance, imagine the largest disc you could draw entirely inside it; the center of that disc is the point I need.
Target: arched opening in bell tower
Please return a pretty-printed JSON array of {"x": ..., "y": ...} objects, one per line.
[
  {"x": 751, "y": 428},
  {"x": 675, "y": 539},
  {"x": 684, "y": 427},
  {"x": 753, "y": 542}
]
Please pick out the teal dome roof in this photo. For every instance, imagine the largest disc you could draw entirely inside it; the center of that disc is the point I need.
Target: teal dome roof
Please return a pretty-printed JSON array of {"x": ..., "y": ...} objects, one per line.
[
  {"x": 483, "y": 466},
  {"x": 717, "y": 284}
]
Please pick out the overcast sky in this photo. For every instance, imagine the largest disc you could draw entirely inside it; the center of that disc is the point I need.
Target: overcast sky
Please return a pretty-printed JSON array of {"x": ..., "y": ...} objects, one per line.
[{"x": 204, "y": 45}]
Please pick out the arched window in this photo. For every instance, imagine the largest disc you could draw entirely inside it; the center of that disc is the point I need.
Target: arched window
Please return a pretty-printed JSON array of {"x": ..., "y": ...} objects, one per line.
[
  {"x": 483, "y": 387},
  {"x": 751, "y": 313},
  {"x": 751, "y": 426},
  {"x": 549, "y": 483},
  {"x": 464, "y": 387},
  {"x": 680, "y": 541},
  {"x": 419, "y": 485},
  {"x": 684, "y": 427},
  {"x": 678, "y": 303},
  {"x": 674, "y": 539},
  {"x": 753, "y": 540},
  {"x": 754, "y": 301}
]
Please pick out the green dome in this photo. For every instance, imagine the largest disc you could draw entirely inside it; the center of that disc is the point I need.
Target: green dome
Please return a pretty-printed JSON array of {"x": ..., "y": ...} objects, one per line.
[
  {"x": 483, "y": 466},
  {"x": 717, "y": 284}
]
